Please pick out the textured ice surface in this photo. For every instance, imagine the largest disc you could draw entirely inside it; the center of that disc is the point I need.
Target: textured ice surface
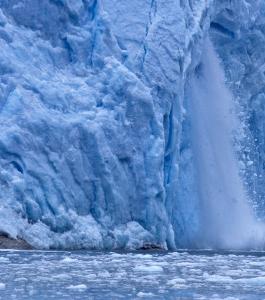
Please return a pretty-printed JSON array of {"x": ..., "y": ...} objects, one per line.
[
  {"x": 91, "y": 112},
  {"x": 93, "y": 151},
  {"x": 92, "y": 275}
]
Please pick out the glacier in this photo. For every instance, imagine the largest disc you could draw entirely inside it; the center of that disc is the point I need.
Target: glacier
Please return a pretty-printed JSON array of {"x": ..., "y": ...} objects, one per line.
[{"x": 95, "y": 141}]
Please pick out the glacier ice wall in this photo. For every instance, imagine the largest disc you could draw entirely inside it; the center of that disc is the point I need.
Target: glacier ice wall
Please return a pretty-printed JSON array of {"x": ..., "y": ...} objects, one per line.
[
  {"x": 91, "y": 112},
  {"x": 94, "y": 147}
]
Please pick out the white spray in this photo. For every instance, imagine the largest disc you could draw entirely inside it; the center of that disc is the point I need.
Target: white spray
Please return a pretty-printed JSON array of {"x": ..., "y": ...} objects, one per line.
[{"x": 227, "y": 219}]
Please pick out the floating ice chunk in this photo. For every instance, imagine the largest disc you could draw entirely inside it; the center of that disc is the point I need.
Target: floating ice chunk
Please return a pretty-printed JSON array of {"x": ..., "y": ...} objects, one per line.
[
  {"x": 91, "y": 276},
  {"x": 61, "y": 276},
  {"x": 77, "y": 287},
  {"x": 176, "y": 281},
  {"x": 216, "y": 297},
  {"x": 257, "y": 263},
  {"x": 114, "y": 254},
  {"x": 2, "y": 286},
  {"x": 175, "y": 254},
  {"x": 4, "y": 260},
  {"x": 254, "y": 280},
  {"x": 20, "y": 279},
  {"x": 151, "y": 269},
  {"x": 104, "y": 274},
  {"x": 142, "y": 294},
  {"x": 217, "y": 278},
  {"x": 143, "y": 256},
  {"x": 69, "y": 260}
]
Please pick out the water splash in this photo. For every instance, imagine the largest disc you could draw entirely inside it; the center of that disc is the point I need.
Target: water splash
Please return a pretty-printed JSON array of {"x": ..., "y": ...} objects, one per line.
[{"x": 227, "y": 218}]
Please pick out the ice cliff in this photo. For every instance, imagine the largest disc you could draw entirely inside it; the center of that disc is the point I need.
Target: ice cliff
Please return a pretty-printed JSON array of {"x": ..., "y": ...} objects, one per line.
[{"x": 94, "y": 133}]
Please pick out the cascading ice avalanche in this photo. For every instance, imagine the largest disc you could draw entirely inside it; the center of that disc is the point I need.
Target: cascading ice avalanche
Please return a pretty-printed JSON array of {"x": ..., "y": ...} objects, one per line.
[{"x": 226, "y": 216}]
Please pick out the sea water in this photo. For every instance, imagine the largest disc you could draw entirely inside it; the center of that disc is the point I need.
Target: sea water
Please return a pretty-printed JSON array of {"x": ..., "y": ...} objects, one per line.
[{"x": 147, "y": 275}]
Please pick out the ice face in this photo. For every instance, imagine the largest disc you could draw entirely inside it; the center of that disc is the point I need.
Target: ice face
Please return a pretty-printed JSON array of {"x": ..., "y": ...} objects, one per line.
[
  {"x": 93, "y": 149},
  {"x": 90, "y": 119}
]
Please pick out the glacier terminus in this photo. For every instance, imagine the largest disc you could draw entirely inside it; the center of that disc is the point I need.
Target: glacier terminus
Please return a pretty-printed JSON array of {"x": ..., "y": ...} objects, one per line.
[{"x": 132, "y": 124}]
